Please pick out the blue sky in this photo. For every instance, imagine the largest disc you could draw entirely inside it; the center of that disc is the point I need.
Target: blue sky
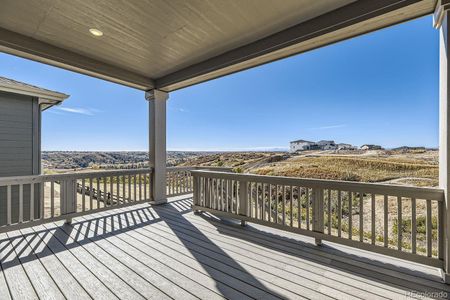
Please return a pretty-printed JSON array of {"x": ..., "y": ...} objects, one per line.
[{"x": 380, "y": 88}]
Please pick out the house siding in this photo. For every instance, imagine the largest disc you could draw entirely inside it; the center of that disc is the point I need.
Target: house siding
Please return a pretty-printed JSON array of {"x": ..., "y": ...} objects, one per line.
[
  {"x": 18, "y": 151},
  {"x": 16, "y": 134},
  {"x": 300, "y": 146}
]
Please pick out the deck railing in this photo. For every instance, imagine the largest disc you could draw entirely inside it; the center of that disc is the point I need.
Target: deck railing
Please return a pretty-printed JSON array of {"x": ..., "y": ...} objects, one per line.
[
  {"x": 400, "y": 221},
  {"x": 31, "y": 200},
  {"x": 179, "y": 179}
]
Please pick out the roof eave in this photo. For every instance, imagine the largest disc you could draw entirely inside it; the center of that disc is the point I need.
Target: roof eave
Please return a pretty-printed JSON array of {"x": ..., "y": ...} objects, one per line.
[{"x": 45, "y": 96}]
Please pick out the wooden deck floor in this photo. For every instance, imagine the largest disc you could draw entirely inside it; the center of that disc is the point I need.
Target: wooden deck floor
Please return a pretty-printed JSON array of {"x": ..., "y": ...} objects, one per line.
[{"x": 168, "y": 252}]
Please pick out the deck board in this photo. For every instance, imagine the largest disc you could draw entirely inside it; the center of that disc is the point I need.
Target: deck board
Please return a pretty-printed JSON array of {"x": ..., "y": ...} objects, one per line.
[
  {"x": 243, "y": 288},
  {"x": 19, "y": 284},
  {"x": 282, "y": 258},
  {"x": 61, "y": 276},
  {"x": 285, "y": 247},
  {"x": 209, "y": 253},
  {"x": 174, "y": 270},
  {"x": 166, "y": 251},
  {"x": 155, "y": 281},
  {"x": 93, "y": 286},
  {"x": 284, "y": 255},
  {"x": 267, "y": 266},
  {"x": 280, "y": 266},
  {"x": 5, "y": 294},
  {"x": 105, "y": 275},
  {"x": 41, "y": 280},
  {"x": 138, "y": 284}
]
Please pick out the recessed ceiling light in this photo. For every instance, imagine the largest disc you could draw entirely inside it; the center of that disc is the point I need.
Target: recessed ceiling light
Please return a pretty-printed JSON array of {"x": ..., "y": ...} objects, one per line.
[{"x": 95, "y": 32}]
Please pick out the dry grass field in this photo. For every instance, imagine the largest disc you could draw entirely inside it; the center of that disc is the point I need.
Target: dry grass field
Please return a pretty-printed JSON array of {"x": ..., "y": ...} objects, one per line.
[
  {"x": 410, "y": 167},
  {"x": 418, "y": 168}
]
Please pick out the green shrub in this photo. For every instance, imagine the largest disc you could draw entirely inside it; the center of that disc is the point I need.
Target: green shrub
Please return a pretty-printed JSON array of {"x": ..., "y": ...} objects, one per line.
[
  {"x": 238, "y": 170},
  {"x": 421, "y": 224}
]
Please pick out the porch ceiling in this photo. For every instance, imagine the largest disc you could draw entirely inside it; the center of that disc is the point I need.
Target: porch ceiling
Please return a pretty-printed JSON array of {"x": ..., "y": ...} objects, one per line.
[{"x": 173, "y": 44}]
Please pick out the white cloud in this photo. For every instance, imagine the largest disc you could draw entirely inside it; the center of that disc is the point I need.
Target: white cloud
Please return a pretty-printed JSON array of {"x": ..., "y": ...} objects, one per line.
[
  {"x": 177, "y": 109},
  {"x": 329, "y": 127},
  {"x": 79, "y": 110},
  {"x": 52, "y": 111}
]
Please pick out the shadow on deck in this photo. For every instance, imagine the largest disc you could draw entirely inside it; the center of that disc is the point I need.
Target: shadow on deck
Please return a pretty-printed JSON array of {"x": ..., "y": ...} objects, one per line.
[{"x": 168, "y": 252}]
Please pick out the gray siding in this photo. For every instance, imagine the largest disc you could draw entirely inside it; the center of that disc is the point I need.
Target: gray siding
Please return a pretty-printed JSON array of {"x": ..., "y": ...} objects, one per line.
[
  {"x": 18, "y": 119},
  {"x": 16, "y": 134}
]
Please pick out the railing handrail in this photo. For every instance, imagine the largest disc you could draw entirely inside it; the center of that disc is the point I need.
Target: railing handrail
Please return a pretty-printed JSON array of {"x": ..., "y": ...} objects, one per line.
[
  {"x": 191, "y": 168},
  {"x": 179, "y": 168},
  {"x": 15, "y": 180},
  {"x": 376, "y": 188}
]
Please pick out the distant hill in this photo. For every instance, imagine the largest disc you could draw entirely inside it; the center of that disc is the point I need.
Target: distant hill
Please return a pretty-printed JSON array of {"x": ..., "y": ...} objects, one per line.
[
  {"x": 107, "y": 160},
  {"x": 411, "y": 166}
]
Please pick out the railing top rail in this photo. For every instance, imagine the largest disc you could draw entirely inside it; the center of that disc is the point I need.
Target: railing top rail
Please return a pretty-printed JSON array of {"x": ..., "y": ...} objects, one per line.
[
  {"x": 376, "y": 188},
  {"x": 189, "y": 168},
  {"x": 67, "y": 176},
  {"x": 176, "y": 169},
  {"x": 217, "y": 169}
]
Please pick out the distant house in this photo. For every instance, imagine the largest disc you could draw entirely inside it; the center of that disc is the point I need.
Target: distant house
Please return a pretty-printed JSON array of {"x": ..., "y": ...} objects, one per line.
[
  {"x": 301, "y": 145},
  {"x": 327, "y": 145},
  {"x": 343, "y": 146},
  {"x": 371, "y": 147}
]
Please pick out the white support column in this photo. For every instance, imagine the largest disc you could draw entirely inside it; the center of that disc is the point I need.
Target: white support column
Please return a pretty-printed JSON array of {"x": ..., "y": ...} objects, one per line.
[
  {"x": 157, "y": 143},
  {"x": 442, "y": 22}
]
